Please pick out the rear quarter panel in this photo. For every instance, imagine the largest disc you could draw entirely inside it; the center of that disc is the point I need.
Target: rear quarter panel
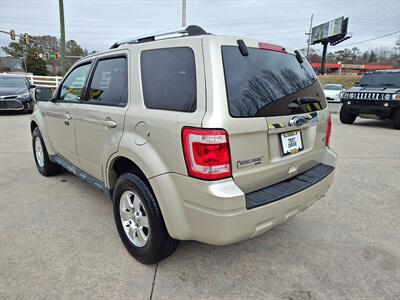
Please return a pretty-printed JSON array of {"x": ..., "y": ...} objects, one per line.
[{"x": 152, "y": 137}]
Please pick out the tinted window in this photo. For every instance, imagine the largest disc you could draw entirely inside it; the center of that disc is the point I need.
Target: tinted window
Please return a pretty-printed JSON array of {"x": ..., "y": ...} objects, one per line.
[
  {"x": 265, "y": 82},
  {"x": 388, "y": 79},
  {"x": 109, "y": 84},
  {"x": 72, "y": 87},
  {"x": 169, "y": 79}
]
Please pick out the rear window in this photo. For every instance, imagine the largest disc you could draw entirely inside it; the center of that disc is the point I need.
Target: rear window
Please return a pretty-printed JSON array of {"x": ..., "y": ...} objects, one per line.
[
  {"x": 265, "y": 82},
  {"x": 109, "y": 85},
  {"x": 169, "y": 79},
  {"x": 332, "y": 87}
]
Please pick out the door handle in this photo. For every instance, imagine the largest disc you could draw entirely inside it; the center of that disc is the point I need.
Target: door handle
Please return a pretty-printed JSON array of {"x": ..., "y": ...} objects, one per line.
[
  {"x": 68, "y": 116},
  {"x": 109, "y": 123}
]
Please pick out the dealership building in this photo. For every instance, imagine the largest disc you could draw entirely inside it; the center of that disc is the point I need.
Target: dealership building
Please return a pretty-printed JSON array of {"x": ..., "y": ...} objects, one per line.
[{"x": 350, "y": 68}]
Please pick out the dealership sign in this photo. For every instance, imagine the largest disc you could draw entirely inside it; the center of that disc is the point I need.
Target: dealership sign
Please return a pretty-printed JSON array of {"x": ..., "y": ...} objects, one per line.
[{"x": 329, "y": 31}]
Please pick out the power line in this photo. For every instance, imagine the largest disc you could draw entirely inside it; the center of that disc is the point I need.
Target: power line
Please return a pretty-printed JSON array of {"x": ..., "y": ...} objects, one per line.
[{"x": 375, "y": 38}]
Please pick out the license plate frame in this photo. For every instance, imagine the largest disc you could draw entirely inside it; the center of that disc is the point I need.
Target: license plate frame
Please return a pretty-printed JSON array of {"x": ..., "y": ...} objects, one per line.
[{"x": 289, "y": 149}]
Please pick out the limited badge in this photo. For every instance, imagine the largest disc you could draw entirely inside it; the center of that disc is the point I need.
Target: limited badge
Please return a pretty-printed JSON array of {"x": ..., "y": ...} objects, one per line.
[{"x": 249, "y": 162}]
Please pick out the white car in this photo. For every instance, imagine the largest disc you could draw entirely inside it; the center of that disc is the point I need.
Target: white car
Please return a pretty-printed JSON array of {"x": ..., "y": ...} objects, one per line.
[{"x": 332, "y": 92}]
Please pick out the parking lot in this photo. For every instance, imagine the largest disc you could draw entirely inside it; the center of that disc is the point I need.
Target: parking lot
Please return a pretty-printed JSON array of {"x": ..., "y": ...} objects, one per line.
[{"x": 58, "y": 238}]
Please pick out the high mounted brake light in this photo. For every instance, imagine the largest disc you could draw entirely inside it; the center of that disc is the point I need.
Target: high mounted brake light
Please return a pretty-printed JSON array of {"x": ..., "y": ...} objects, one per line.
[
  {"x": 271, "y": 47},
  {"x": 206, "y": 153}
]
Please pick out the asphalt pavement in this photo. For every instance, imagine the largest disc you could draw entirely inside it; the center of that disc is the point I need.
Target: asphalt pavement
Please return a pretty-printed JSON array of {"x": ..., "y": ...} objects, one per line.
[{"x": 58, "y": 239}]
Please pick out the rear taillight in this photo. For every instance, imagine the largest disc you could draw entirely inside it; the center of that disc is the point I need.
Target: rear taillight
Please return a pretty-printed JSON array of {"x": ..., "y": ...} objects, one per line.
[
  {"x": 206, "y": 153},
  {"x": 328, "y": 131}
]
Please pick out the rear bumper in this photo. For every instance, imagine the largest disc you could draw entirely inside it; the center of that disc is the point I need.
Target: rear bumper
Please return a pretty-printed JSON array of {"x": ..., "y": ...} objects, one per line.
[{"x": 216, "y": 213}]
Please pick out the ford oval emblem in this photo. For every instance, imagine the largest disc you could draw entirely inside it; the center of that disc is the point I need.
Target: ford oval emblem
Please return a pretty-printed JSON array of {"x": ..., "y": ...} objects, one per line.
[{"x": 297, "y": 121}]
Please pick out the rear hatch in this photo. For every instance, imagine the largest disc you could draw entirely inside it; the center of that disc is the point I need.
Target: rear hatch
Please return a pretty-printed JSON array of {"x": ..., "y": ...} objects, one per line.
[{"x": 278, "y": 115}]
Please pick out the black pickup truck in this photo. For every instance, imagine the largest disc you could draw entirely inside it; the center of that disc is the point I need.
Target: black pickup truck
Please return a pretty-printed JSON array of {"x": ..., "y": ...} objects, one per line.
[{"x": 376, "y": 96}]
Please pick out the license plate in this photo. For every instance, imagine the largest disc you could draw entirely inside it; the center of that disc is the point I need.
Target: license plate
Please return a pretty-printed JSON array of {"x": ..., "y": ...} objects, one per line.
[{"x": 291, "y": 142}]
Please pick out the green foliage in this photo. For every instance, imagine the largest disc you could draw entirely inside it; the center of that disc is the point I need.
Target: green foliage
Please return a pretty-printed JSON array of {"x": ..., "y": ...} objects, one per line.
[{"x": 35, "y": 66}]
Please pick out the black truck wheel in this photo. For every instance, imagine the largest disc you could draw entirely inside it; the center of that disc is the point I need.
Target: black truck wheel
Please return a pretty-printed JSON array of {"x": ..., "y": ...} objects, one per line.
[
  {"x": 346, "y": 117},
  {"x": 396, "y": 119}
]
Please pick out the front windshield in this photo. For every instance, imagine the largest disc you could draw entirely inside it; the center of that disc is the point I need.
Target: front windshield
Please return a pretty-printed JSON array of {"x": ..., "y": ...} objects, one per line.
[
  {"x": 12, "y": 82},
  {"x": 332, "y": 87},
  {"x": 381, "y": 79}
]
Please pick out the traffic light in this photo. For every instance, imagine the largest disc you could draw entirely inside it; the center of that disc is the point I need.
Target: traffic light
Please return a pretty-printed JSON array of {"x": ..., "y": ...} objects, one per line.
[
  {"x": 47, "y": 56},
  {"x": 36, "y": 54},
  {"x": 26, "y": 39},
  {"x": 56, "y": 55},
  {"x": 12, "y": 35}
]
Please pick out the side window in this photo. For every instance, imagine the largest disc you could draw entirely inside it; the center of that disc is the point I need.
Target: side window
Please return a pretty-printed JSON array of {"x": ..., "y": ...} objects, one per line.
[
  {"x": 109, "y": 84},
  {"x": 169, "y": 79},
  {"x": 72, "y": 87}
]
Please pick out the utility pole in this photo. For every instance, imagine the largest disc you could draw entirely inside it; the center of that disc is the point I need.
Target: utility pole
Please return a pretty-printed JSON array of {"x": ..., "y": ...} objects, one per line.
[
  {"x": 24, "y": 59},
  {"x": 309, "y": 36},
  {"x": 183, "y": 13},
  {"x": 62, "y": 30}
]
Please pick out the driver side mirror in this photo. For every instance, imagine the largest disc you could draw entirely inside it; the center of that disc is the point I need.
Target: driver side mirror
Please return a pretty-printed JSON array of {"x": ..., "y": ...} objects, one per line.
[{"x": 43, "y": 94}]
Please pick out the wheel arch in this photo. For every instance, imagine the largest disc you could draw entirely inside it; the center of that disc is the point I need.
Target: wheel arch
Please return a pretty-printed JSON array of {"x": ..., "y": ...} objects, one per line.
[
  {"x": 33, "y": 125},
  {"x": 119, "y": 165}
]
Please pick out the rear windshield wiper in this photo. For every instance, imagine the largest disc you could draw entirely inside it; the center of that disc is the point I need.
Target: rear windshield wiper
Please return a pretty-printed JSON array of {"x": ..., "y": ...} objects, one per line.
[
  {"x": 306, "y": 100},
  {"x": 295, "y": 104}
]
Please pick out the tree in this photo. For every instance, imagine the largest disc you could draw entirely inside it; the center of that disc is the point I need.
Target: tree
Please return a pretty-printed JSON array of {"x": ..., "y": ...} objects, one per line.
[
  {"x": 35, "y": 66},
  {"x": 19, "y": 50},
  {"x": 345, "y": 56},
  {"x": 73, "y": 49},
  {"x": 372, "y": 56},
  {"x": 43, "y": 44}
]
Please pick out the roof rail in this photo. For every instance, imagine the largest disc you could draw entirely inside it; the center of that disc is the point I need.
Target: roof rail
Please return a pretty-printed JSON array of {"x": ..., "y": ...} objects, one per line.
[{"x": 191, "y": 30}]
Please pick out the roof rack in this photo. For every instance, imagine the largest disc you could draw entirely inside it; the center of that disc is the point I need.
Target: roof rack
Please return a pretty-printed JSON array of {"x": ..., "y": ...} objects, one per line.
[{"x": 191, "y": 30}]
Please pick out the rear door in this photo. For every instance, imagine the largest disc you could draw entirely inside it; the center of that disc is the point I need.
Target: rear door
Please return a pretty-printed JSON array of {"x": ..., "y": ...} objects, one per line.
[
  {"x": 278, "y": 115},
  {"x": 100, "y": 117}
]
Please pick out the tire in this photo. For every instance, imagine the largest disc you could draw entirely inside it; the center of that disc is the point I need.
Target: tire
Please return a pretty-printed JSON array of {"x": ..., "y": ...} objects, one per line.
[
  {"x": 396, "y": 119},
  {"x": 43, "y": 162},
  {"x": 135, "y": 206},
  {"x": 346, "y": 117}
]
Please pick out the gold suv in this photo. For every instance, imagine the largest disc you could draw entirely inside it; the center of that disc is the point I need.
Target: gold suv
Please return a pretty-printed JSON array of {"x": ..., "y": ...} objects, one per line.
[{"x": 194, "y": 136}]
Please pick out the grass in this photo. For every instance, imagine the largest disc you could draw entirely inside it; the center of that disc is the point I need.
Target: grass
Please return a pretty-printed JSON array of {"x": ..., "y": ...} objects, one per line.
[{"x": 346, "y": 81}]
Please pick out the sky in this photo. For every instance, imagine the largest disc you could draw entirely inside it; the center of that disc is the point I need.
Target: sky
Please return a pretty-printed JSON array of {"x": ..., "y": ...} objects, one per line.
[{"x": 97, "y": 24}]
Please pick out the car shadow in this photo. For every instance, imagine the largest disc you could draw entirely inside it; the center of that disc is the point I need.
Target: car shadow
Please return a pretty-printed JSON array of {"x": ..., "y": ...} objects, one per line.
[
  {"x": 374, "y": 123},
  {"x": 13, "y": 113}
]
